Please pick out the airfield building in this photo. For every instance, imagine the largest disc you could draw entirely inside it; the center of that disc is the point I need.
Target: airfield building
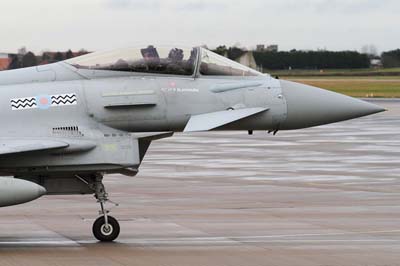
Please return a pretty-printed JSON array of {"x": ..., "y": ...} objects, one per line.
[{"x": 5, "y": 61}]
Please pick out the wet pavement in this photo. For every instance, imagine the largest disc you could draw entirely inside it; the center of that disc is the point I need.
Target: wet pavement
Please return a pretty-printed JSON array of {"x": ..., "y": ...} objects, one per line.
[{"x": 321, "y": 196}]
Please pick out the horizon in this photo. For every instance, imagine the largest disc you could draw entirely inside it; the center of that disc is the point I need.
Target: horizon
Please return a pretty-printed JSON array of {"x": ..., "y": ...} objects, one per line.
[{"x": 250, "y": 48}]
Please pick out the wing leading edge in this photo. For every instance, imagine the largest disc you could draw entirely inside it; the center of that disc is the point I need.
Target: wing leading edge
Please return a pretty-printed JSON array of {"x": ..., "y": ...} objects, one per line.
[{"x": 15, "y": 146}]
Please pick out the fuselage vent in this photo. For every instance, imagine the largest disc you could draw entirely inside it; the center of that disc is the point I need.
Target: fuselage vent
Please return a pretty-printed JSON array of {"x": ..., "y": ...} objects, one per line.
[{"x": 72, "y": 131}]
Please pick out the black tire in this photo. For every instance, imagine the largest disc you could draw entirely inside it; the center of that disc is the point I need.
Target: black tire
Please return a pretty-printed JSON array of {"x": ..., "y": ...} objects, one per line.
[{"x": 101, "y": 233}]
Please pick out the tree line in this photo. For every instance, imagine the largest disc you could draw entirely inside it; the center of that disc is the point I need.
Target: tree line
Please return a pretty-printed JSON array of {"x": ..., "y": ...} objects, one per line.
[
  {"x": 311, "y": 60},
  {"x": 296, "y": 59},
  {"x": 30, "y": 59},
  {"x": 391, "y": 58},
  {"x": 293, "y": 59}
]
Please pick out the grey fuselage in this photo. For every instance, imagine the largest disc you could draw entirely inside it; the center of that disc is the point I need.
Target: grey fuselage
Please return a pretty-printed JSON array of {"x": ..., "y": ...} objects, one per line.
[
  {"x": 132, "y": 103},
  {"x": 101, "y": 115}
]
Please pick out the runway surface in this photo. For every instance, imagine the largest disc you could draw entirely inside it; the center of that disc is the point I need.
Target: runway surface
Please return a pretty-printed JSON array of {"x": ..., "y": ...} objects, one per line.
[{"x": 321, "y": 196}]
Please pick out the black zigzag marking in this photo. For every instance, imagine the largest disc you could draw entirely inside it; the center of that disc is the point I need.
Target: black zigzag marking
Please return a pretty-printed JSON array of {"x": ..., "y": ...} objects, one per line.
[
  {"x": 23, "y": 99},
  {"x": 22, "y": 106},
  {"x": 19, "y": 101},
  {"x": 63, "y": 99},
  {"x": 59, "y": 102},
  {"x": 63, "y": 96},
  {"x": 59, "y": 97}
]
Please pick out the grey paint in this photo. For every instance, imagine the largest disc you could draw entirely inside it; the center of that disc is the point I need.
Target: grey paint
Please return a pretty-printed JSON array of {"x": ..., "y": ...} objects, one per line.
[
  {"x": 310, "y": 106},
  {"x": 209, "y": 121},
  {"x": 117, "y": 115},
  {"x": 15, "y": 191}
]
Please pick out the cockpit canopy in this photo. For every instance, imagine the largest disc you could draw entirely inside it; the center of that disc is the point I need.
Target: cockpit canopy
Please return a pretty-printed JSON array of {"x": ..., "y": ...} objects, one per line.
[{"x": 164, "y": 61}]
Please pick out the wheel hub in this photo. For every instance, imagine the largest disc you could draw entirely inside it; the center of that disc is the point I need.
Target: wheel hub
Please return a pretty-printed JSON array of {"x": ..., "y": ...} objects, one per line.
[{"x": 106, "y": 229}]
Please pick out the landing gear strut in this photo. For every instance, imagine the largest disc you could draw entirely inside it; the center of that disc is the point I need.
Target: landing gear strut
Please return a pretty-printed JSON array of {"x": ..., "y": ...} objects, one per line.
[{"x": 105, "y": 228}]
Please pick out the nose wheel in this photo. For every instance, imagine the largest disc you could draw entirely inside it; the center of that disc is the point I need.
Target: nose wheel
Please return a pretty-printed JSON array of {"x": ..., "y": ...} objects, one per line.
[
  {"x": 106, "y": 228},
  {"x": 106, "y": 231}
]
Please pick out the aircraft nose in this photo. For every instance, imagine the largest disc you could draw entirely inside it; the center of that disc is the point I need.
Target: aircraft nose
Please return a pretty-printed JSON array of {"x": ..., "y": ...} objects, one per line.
[{"x": 309, "y": 106}]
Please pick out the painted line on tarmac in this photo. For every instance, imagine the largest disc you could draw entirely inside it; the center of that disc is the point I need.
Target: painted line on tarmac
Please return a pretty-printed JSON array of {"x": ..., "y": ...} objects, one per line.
[
  {"x": 236, "y": 240},
  {"x": 39, "y": 243},
  {"x": 187, "y": 242}
]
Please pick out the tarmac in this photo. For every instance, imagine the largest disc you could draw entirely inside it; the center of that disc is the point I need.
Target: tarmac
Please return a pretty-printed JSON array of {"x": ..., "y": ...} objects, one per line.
[{"x": 322, "y": 196}]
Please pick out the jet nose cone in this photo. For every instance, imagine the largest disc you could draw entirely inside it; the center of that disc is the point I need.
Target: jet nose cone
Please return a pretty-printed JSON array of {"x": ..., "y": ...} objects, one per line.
[{"x": 309, "y": 106}]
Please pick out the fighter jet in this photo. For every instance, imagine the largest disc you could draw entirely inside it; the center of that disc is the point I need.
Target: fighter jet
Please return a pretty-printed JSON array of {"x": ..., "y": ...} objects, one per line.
[{"x": 66, "y": 125}]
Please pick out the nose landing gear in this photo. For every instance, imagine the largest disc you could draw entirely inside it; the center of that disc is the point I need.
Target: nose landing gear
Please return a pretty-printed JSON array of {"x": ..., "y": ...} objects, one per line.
[{"x": 106, "y": 228}]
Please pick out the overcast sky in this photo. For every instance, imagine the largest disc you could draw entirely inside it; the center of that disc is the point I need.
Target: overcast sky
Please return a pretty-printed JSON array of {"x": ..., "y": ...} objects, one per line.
[{"x": 105, "y": 24}]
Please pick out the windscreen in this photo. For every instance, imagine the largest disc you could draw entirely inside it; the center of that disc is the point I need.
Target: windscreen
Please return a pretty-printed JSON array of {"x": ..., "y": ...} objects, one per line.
[
  {"x": 149, "y": 59},
  {"x": 213, "y": 64}
]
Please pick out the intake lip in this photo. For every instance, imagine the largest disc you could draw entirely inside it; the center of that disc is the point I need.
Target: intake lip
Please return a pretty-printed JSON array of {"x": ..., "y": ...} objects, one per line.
[{"x": 309, "y": 106}]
